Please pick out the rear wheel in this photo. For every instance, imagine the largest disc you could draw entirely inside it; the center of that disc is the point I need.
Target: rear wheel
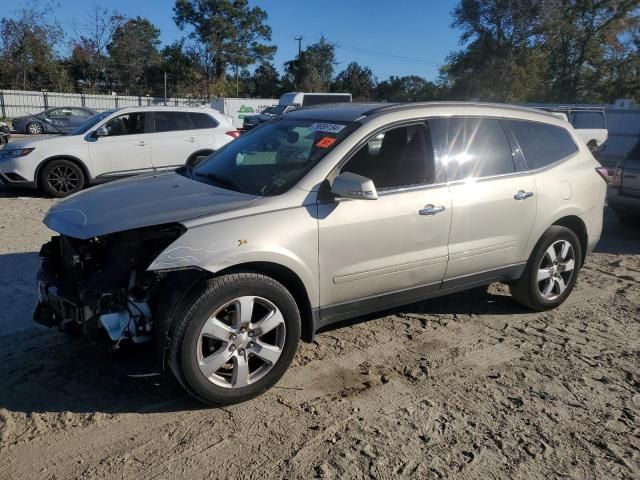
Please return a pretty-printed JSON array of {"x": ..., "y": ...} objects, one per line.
[
  {"x": 551, "y": 271},
  {"x": 235, "y": 338},
  {"x": 61, "y": 178},
  {"x": 34, "y": 128}
]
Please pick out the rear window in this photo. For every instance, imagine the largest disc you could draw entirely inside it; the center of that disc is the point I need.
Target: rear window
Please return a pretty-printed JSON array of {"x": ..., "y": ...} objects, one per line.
[
  {"x": 202, "y": 120},
  {"x": 542, "y": 144},
  {"x": 171, "y": 121}
]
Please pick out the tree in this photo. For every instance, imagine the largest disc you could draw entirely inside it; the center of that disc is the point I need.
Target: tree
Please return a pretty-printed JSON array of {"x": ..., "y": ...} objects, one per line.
[
  {"x": 586, "y": 44},
  {"x": 266, "y": 81},
  {"x": 28, "y": 45},
  {"x": 184, "y": 79},
  {"x": 92, "y": 38},
  {"x": 133, "y": 55},
  {"x": 357, "y": 80},
  {"x": 228, "y": 32},
  {"x": 410, "y": 88},
  {"x": 313, "y": 70},
  {"x": 500, "y": 61}
]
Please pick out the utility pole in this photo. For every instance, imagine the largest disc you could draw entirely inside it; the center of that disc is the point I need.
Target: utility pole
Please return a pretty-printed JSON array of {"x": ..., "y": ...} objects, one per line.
[
  {"x": 299, "y": 40},
  {"x": 165, "y": 89}
]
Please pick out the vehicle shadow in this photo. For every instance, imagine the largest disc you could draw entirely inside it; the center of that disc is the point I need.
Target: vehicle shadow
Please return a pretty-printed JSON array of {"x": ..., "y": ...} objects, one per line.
[{"x": 17, "y": 192}]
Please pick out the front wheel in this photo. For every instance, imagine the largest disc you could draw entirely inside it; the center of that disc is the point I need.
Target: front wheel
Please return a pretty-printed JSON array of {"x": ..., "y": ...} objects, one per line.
[
  {"x": 551, "y": 271},
  {"x": 61, "y": 178},
  {"x": 34, "y": 128},
  {"x": 235, "y": 338}
]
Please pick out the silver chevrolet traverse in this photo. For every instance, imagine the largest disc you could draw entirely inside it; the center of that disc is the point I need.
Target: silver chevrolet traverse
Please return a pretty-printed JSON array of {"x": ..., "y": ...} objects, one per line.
[{"x": 321, "y": 215}]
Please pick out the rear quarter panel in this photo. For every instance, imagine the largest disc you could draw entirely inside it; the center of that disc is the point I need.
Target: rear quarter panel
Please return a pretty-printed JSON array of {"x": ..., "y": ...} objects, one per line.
[{"x": 569, "y": 188}]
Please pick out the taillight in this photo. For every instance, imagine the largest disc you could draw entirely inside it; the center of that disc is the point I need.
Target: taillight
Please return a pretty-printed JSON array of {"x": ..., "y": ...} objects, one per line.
[
  {"x": 616, "y": 179},
  {"x": 233, "y": 133},
  {"x": 604, "y": 173}
]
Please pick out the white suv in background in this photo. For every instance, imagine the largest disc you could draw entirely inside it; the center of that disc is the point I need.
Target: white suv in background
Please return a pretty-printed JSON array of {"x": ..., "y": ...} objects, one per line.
[{"x": 115, "y": 144}]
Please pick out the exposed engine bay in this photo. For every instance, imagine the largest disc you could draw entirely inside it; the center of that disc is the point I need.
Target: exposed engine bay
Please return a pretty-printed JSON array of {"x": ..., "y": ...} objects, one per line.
[{"x": 101, "y": 285}]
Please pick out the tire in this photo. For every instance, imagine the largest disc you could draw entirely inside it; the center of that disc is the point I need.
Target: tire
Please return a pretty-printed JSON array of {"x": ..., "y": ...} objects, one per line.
[
  {"x": 61, "y": 178},
  {"x": 550, "y": 291},
  {"x": 34, "y": 128},
  {"x": 223, "y": 361}
]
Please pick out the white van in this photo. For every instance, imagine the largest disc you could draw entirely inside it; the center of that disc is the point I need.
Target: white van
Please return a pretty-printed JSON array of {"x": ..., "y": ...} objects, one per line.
[{"x": 302, "y": 99}]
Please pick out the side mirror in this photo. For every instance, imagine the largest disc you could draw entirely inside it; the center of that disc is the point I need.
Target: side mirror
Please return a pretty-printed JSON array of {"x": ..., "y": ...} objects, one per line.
[
  {"x": 101, "y": 132},
  {"x": 352, "y": 185}
]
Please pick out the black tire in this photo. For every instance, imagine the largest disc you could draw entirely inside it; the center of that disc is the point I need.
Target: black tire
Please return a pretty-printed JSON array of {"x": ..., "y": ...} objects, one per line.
[
  {"x": 526, "y": 290},
  {"x": 34, "y": 128},
  {"x": 190, "y": 318},
  {"x": 61, "y": 178}
]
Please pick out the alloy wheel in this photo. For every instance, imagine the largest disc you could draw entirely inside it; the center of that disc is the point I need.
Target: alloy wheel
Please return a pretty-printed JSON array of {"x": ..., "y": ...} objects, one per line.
[
  {"x": 35, "y": 128},
  {"x": 241, "y": 342},
  {"x": 556, "y": 269},
  {"x": 63, "y": 179}
]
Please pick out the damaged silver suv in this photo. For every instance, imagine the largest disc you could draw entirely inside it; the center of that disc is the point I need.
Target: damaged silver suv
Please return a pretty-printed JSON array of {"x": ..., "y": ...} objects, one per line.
[{"x": 321, "y": 215}]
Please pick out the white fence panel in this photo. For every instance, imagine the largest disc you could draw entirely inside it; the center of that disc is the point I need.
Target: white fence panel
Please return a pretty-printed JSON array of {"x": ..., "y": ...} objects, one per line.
[{"x": 16, "y": 103}]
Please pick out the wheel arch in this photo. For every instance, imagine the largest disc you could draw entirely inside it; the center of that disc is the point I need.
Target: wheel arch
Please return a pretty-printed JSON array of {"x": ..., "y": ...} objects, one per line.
[
  {"x": 69, "y": 158},
  {"x": 577, "y": 226}
]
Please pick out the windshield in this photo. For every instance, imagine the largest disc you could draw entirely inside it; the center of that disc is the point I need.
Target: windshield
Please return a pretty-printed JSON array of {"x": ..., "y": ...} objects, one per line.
[
  {"x": 90, "y": 123},
  {"x": 275, "y": 110},
  {"x": 272, "y": 158}
]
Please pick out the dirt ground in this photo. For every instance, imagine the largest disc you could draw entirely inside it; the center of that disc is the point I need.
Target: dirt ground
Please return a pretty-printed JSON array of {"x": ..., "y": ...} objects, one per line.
[{"x": 469, "y": 386}]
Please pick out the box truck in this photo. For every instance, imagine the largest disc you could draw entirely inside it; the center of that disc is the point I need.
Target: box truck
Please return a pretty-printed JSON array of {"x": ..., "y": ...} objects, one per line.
[{"x": 239, "y": 108}]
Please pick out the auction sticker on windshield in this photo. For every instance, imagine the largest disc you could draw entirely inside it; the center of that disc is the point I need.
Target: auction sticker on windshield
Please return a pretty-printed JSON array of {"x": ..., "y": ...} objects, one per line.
[{"x": 326, "y": 127}]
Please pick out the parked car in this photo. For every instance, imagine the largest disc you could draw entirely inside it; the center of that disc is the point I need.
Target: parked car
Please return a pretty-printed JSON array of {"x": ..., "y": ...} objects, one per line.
[
  {"x": 53, "y": 120},
  {"x": 115, "y": 144},
  {"x": 5, "y": 133},
  {"x": 623, "y": 195},
  {"x": 292, "y": 101},
  {"x": 237, "y": 109},
  {"x": 267, "y": 114},
  {"x": 298, "y": 225}
]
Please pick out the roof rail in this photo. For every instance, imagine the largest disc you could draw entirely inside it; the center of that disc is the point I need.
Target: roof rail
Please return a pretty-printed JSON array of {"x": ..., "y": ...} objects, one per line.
[{"x": 410, "y": 105}]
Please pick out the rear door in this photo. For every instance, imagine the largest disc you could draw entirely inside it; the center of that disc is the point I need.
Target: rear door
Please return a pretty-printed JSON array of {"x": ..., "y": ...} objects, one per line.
[
  {"x": 126, "y": 150},
  {"x": 174, "y": 139},
  {"x": 211, "y": 135},
  {"x": 493, "y": 204}
]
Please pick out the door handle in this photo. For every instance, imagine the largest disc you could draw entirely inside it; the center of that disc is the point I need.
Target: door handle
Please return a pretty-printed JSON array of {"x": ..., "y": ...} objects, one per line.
[
  {"x": 191, "y": 139},
  {"x": 430, "y": 210},
  {"x": 141, "y": 143},
  {"x": 522, "y": 195}
]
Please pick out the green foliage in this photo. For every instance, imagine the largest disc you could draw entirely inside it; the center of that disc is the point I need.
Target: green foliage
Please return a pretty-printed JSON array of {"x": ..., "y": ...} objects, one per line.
[
  {"x": 357, "y": 80},
  {"x": 229, "y": 32},
  {"x": 133, "y": 56},
  {"x": 410, "y": 88},
  {"x": 28, "y": 58},
  {"x": 313, "y": 70}
]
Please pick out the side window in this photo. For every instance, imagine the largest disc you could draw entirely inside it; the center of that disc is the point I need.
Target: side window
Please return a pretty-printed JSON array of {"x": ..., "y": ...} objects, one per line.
[
  {"x": 58, "y": 113},
  {"x": 127, "y": 124},
  {"x": 472, "y": 147},
  {"x": 542, "y": 144},
  {"x": 202, "y": 120},
  {"x": 171, "y": 121},
  {"x": 79, "y": 112},
  {"x": 399, "y": 157}
]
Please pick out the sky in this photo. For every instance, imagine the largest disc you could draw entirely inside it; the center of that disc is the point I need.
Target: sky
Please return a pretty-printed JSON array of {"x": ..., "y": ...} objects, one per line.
[{"x": 392, "y": 37}]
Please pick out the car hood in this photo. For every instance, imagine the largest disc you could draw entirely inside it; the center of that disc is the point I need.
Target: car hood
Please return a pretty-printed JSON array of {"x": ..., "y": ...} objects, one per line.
[
  {"x": 141, "y": 201},
  {"x": 46, "y": 140}
]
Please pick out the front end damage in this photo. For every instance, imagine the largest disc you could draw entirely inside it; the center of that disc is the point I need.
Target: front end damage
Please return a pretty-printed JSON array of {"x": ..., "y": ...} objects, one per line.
[{"x": 101, "y": 285}]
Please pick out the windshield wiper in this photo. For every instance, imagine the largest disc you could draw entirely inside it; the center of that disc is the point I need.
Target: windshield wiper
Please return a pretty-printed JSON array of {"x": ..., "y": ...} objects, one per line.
[{"x": 222, "y": 180}]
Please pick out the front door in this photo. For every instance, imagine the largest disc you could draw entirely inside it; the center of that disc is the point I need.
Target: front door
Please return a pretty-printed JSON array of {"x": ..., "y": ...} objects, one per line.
[
  {"x": 376, "y": 251},
  {"x": 125, "y": 151}
]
